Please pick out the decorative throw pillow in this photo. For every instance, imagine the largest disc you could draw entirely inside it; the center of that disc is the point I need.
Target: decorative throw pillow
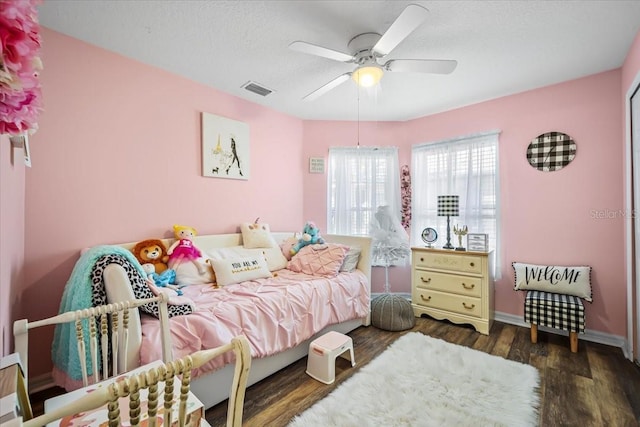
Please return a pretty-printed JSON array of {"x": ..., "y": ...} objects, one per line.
[
  {"x": 257, "y": 236},
  {"x": 230, "y": 271},
  {"x": 286, "y": 246},
  {"x": 574, "y": 280},
  {"x": 351, "y": 259},
  {"x": 187, "y": 274},
  {"x": 275, "y": 258},
  {"x": 319, "y": 260}
]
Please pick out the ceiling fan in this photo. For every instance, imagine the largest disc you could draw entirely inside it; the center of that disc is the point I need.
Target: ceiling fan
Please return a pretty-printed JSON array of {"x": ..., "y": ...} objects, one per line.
[{"x": 370, "y": 48}]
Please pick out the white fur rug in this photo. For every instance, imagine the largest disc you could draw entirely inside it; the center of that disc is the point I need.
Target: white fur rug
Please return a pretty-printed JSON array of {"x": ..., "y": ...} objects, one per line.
[{"x": 424, "y": 381}]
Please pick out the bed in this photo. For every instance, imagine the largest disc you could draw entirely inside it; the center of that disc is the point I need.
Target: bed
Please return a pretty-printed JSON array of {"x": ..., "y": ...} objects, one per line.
[{"x": 304, "y": 308}]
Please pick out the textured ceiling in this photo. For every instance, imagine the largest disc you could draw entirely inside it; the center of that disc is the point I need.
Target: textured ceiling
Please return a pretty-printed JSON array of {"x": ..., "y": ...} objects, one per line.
[{"x": 502, "y": 47}]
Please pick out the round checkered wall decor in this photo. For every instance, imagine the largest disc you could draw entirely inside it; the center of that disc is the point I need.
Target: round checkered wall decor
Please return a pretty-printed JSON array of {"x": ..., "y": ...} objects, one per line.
[{"x": 551, "y": 151}]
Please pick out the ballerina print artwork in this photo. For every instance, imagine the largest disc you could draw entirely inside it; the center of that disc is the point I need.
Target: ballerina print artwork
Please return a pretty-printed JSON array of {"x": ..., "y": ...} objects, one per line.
[{"x": 225, "y": 147}]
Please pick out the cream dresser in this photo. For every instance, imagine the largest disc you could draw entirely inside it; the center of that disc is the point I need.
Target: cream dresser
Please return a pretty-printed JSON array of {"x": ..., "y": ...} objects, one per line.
[{"x": 453, "y": 285}]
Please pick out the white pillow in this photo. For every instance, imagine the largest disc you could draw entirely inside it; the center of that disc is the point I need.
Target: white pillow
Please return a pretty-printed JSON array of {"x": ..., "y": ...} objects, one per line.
[
  {"x": 187, "y": 273},
  {"x": 230, "y": 271},
  {"x": 351, "y": 259},
  {"x": 574, "y": 280},
  {"x": 275, "y": 259},
  {"x": 257, "y": 236}
]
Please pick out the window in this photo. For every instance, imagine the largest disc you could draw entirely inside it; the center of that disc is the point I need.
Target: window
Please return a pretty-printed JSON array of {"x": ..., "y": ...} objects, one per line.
[
  {"x": 468, "y": 167},
  {"x": 359, "y": 180}
]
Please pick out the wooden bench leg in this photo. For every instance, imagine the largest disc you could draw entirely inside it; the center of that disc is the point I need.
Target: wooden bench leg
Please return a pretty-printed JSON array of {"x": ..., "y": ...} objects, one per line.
[
  {"x": 573, "y": 338},
  {"x": 534, "y": 333}
]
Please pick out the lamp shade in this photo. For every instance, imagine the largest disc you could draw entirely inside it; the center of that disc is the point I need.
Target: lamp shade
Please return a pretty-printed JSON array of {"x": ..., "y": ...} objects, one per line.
[{"x": 448, "y": 205}]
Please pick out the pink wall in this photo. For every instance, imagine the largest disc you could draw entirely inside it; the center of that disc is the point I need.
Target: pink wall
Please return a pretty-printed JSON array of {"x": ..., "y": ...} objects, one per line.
[
  {"x": 546, "y": 217},
  {"x": 12, "y": 187},
  {"x": 117, "y": 159}
]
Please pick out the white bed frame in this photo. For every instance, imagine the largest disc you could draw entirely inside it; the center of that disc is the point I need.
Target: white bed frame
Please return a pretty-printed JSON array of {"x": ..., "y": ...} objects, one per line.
[{"x": 211, "y": 388}]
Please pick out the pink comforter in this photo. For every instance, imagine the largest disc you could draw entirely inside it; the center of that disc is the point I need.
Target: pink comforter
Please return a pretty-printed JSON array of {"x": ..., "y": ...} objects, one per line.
[{"x": 274, "y": 314}]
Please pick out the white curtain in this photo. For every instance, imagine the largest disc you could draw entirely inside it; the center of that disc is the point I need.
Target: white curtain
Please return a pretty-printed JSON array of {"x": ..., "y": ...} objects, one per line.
[
  {"x": 467, "y": 167},
  {"x": 359, "y": 180}
]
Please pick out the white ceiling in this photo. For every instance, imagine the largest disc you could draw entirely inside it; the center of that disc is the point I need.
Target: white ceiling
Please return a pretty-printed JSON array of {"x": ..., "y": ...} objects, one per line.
[{"x": 502, "y": 47}]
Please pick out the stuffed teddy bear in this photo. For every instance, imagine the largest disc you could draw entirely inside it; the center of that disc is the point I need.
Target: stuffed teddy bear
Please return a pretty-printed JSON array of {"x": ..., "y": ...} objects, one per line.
[
  {"x": 152, "y": 251},
  {"x": 183, "y": 248},
  {"x": 310, "y": 236}
]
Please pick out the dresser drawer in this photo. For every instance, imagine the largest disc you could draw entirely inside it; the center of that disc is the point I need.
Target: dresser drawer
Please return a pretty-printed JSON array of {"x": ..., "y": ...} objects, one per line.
[
  {"x": 463, "y": 285},
  {"x": 451, "y": 262},
  {"x": 448, "y": 302}
]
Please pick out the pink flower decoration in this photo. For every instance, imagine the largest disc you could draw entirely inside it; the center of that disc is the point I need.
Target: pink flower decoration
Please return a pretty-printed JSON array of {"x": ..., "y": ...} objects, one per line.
[{"x": 20, "y": 95}]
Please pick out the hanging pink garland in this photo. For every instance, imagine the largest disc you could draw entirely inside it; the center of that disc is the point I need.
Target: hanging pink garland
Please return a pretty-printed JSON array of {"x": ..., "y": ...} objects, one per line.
[
  {"x": 20, "y": 94},
  {"x": 405, "y": 194}
]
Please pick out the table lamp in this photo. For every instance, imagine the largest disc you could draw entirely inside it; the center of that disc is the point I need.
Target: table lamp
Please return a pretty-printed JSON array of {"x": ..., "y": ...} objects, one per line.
[{"x": 448, "y": 206}]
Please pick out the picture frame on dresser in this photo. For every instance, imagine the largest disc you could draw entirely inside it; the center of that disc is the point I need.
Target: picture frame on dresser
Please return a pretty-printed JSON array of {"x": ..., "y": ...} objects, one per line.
[{"x": 478, "y": 242}]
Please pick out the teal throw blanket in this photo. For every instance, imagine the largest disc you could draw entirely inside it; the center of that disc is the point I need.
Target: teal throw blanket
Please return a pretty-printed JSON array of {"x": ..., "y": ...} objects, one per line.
[{"x": 78, "y": 295}]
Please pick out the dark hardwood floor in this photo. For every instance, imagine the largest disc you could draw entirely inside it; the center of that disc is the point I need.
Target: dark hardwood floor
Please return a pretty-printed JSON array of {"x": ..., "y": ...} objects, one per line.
[{"x": 595, "y": 387}]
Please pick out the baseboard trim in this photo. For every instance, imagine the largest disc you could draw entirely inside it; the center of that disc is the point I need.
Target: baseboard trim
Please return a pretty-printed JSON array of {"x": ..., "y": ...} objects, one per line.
[
  {"x": 40, "y": 383},
  {"x": 589, "y": 335}
]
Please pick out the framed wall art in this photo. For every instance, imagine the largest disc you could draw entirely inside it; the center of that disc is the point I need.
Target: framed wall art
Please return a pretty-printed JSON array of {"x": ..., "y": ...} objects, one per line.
[
  {"x": 22, "y": 141},
  {"x": 225, "y": 148}
]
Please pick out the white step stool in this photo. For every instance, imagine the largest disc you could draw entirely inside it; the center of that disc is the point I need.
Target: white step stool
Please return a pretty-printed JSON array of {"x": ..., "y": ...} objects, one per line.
[{"x": 323, "y": 351}]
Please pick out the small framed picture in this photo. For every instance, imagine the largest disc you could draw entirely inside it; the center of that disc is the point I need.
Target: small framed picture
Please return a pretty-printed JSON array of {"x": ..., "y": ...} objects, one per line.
[
  {"x": 22, "y": 141},
  {"x": 478, "y": 242}
]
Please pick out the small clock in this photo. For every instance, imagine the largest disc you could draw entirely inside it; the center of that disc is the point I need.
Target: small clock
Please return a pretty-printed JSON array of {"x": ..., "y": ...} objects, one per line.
[
  {"x": 551, "y": 151},
  {"x": 429, "y": 235}
]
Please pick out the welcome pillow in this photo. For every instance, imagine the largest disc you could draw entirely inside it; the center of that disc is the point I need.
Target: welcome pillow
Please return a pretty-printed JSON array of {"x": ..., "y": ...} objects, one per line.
[
  {"x": 575, "y": 280},
  {"x": 319, "y": 260}
]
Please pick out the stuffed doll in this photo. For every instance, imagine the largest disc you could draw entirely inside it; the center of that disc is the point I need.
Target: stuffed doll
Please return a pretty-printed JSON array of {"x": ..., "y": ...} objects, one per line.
[
  {"x": 183, "y": 248},
  {"x": 310, "y": 236},
  {"x": 166, "y": 279}
]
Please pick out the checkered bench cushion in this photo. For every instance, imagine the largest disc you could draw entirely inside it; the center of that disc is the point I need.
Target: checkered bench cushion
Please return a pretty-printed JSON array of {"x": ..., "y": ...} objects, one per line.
[{"x": 558, "y": 311}]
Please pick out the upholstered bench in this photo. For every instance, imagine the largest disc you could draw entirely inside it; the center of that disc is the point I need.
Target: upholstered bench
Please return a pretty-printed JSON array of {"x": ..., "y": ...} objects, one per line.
[
  {"x": 554, "y": 297},
  {"x": 557, "y": 311}
]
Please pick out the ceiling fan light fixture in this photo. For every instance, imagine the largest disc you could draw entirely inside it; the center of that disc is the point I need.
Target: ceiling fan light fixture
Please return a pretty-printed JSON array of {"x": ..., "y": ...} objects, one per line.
[{"x": 367, "y": 75}]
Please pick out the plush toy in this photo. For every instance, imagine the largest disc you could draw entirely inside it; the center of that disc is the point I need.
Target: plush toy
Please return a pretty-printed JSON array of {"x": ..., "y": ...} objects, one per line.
[
  {"x": 152, "y": 251},
  {"x": 310, "y": 236},
  {"x": 183, "y": 248},
  {"x": 166, "y": 279}
]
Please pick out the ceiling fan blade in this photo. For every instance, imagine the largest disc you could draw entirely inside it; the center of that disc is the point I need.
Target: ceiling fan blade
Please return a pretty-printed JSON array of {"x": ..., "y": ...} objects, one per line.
[
  {"x": 325, "y": 52},
  {"x": 327, "y": 87},
  {"x": 411, "y": 18},
  {"x": 434, "y": 66}
]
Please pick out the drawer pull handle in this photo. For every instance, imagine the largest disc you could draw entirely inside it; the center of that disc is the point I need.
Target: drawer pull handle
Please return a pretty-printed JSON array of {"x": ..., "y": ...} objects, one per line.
[
  {"x": 425, "y": 299},
  {"x": 464, "y": 285},
  {"x": 472, "y": 264},
  {"x": 425, "y": 281},
  {"x": 421, "y": 259},
  {"x": 464, "y": 304}
]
